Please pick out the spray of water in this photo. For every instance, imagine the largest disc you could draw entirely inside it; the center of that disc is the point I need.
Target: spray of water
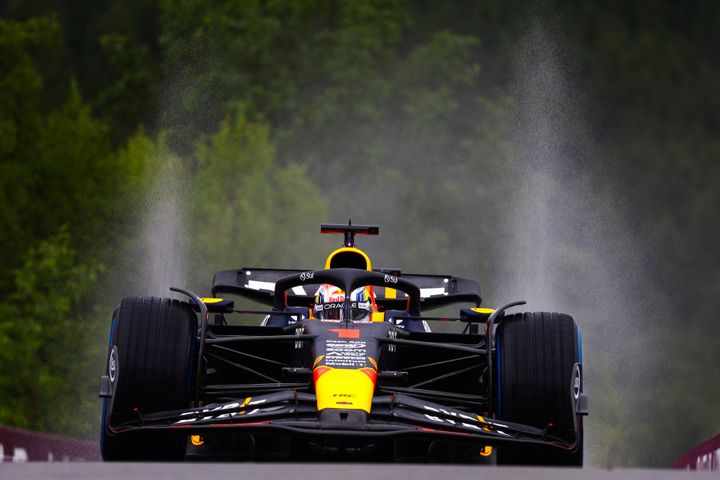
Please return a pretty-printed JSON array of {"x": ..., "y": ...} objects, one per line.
[
  {"x": 538, "y": 135},
  {"x": 164, "y": 236},
  {"x": 570, "y": 249}
]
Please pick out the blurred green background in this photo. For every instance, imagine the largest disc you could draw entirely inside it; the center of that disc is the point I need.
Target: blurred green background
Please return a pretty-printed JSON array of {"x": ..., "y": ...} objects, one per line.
[{"x": 567, "y": 153}]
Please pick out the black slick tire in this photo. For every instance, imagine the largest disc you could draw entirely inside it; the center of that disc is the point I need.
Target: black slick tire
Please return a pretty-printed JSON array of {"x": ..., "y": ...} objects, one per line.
[
  {"x": 537, "y": 353},
  {"x": 154, "y": 340}
]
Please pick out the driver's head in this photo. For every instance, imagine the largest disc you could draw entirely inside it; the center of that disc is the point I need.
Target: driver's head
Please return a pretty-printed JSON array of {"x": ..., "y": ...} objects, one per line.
[{"x": 330, "y": 304}]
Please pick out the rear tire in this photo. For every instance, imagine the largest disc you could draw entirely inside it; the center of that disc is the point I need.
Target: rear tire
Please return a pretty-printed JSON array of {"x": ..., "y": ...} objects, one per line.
[
  {"x": 537, "y": 353},
  {"x": 154, "y": 340}
]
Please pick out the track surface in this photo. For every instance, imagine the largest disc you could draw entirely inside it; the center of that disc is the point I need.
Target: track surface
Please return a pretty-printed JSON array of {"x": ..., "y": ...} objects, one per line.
[{"x": 252, "y": 471}]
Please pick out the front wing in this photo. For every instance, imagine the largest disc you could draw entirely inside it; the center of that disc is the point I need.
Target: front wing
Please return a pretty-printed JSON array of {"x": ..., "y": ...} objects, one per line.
[{"x": 295, "y": 413}]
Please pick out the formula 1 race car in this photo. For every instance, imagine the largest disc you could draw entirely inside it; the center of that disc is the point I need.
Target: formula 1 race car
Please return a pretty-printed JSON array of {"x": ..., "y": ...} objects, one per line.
[{"x": 341, "y": 366}]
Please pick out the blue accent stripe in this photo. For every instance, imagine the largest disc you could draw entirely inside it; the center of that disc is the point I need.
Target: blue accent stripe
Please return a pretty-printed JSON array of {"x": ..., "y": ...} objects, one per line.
[
  {"x": 582, "y": 379},
  {"x": 102, "y": 424},
  {"x": 579, "y": 345},
  {"x": 499, "y": 370},
  {"x": 112, "y": 326}
]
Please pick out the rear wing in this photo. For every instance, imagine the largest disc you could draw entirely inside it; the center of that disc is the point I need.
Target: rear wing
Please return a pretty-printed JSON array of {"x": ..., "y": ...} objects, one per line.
[{"x": 258, "y": 284}]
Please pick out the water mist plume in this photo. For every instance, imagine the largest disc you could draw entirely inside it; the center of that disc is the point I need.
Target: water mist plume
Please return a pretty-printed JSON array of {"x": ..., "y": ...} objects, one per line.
[
  {"x": 571, "y": 250},
  {"x": 164, "y": 235}
]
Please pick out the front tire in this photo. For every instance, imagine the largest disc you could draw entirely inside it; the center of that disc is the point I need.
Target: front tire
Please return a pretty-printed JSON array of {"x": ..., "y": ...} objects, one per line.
[
  {"x": 537, "y": 354},
  {"x": 154, "y": 341}
]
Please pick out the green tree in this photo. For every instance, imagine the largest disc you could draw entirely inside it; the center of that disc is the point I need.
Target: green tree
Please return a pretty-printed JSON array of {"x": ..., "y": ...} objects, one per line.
[
  {"x": 247, "y": 209},
  {"x": 109, "y": 48},
  {"x": 301, "y": 63},
  {"x": 56, "y": 164},
  {"x": 44, "y": 347},
  {"x": 59, "y": 175}
]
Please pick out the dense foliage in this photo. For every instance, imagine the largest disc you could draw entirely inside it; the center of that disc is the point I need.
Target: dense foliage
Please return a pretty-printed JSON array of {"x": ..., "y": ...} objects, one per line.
[{"x": 562, "y": 152}]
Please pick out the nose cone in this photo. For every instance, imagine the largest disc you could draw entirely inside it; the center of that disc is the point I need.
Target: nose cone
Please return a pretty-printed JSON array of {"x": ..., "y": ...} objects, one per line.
[{"x": 346, "y": 389}]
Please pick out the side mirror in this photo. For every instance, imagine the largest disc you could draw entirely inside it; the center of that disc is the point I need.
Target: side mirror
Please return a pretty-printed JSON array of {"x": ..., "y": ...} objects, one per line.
[
  {"x": 475, "y": 314},
  {"x": 217, "y": 305}
]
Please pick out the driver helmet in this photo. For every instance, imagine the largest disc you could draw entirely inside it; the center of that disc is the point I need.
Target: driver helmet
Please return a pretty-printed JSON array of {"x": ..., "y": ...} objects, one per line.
[{"x": 330, "y": 304}]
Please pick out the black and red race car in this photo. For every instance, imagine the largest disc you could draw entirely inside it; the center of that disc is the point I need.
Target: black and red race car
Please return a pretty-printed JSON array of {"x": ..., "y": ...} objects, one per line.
[{"x": 309, "y": 380}]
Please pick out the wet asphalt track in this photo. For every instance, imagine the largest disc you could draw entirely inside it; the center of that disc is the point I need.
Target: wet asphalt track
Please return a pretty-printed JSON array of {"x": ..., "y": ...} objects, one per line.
[{"x": 251, "y": 471}]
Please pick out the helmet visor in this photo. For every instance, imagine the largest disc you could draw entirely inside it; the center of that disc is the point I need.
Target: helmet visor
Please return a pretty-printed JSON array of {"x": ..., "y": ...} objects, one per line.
[
  {"x": 360, "y": 311},
  {"x": 330, "y": 311}
]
